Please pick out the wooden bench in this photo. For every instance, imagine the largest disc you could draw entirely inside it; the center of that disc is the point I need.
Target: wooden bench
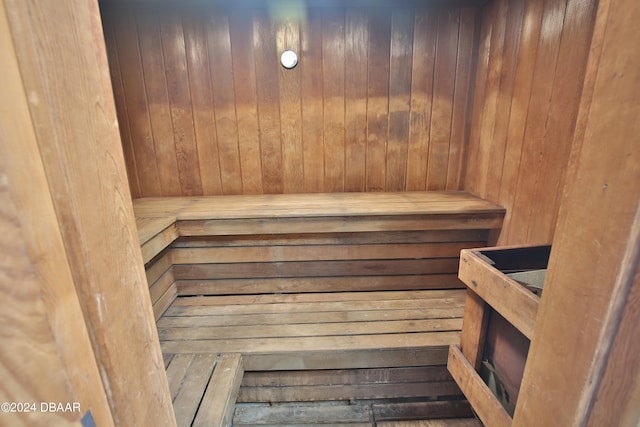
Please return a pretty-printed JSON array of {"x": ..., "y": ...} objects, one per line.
[
  {"x": 230, "y": 245},
  {"x": 363, "y": 282},
  {"x": 204, "y": 387}
]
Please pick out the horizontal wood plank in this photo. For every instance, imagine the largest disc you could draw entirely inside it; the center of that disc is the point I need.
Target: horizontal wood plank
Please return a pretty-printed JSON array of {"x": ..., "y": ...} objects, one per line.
[
  {"x": 346, "y": 376},
  {"x": 277, "y": 253},
  {"x": 347, "y": 359},
  {"x": 310, "y": 330},
  {"x": 301, "y": 318},
  {"x": 318, "y": 344},
  {"x": 512, "y": 300},
  {"x": 316, "y": 284},
  {"x": 315, "y": 269},
  {"x": 347, "y": 392}
]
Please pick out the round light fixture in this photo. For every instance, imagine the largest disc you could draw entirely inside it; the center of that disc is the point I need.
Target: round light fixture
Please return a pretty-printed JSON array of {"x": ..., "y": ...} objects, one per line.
[{"x": 289, "y": 59}]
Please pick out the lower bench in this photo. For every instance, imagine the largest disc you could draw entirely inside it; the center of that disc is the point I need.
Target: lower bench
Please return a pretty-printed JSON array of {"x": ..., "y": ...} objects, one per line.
[{"x": 204, "y": 387}]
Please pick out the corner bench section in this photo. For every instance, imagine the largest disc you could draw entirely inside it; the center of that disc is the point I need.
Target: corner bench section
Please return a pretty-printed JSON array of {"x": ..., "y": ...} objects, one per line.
[{"x": 339, "y": 242}]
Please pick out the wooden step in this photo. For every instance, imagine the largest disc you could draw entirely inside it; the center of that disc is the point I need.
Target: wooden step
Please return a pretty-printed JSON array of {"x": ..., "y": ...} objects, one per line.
[{"x": 204, "y": 387}]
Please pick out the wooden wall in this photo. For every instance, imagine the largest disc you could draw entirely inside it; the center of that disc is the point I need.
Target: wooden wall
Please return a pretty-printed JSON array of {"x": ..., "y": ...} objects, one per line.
[
  {"x": 378, "y": 102},
  {"x": 531, "y": 66}
]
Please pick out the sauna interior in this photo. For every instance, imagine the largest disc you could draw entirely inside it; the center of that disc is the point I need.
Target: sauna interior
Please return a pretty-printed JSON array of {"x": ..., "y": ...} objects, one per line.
[{"x": 195, "y": 234}]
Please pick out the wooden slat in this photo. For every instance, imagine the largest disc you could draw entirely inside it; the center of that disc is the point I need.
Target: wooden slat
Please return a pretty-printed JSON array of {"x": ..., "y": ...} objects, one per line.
[
  {"x": 474, "y": 329},
  {"x": 288, "y": 38},
  {"x": 275, "y": 225},
  {"x": 315, "y": 307},
  {"x": 377, "y": 94},
  {"x": 461, "y": 99},
  {"x": 429, "y": 236},
  {"x": 317, "y": 284},
  {"x": 425, "y": 28},
  {"x": 345, "y": 359},
  {"x": 217, "y": 406},
  {"x": 302, "y": 318},
  {"x": 449, "y": 422},
  {"x": 345, "y": 376},
  {"x": 161, "y": 305},
  {"x": 401, "y": 55},
  {"x": 442, "y": 107},
  {"x": 135, "y": 99},
  {"x": 157, "y": 268},
  {"x": 484, "y": 403},
  {"x": 121, "y": 108},
  {"x": 316, "y": 253},
  {"x": 310, "y": 330},
  {"x": 176, "y": 372},
  {"x": 266, "y": 57},
  {"x": 333, "y": 73},
  {"x": 314, "y": 269},
  {"x": 192, "y": 389},
  {"x": 356, "y": 52},
  {"x": 197, "y": 56},
  {"x": 356, "y": 392},
  {"x": 159, "y": 110},
  {"x": 512, "y": 300},
  {"x": 160, "y": 241},
  {"x": 244, "y": 72},
  {"x": 295, "y": 345},
  {"x": 224, "y": 102},
  {"x": 421, "y": 410},
  {"x": 284, "y": 415},
  {"x": 323, "y": 297},
  {"x": 182, "y": 121},
  {"x": 159, "y": 287}
]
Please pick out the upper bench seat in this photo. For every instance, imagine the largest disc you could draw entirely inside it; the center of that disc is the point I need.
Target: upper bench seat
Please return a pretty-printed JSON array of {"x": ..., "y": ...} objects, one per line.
[{"x": 162, "y": 220}]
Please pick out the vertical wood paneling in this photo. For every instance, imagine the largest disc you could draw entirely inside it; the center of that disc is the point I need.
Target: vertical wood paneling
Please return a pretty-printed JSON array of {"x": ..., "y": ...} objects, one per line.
[
  {"x": 224, "y": 103},
  {"x": 533, "y": 155},
  {"x": 288, "y": 37},
  {"x": 334, "y": 102},
  {"x": 244, "y": 72},
  {"x": 137, "y": 106},
  {"x": 217, "y": 114},
  {"x": 202, "y": 99},
  {"x": 399, "y": 98},
  {"x": 173, "y": 46},
  {"x": 158, "y": 98},
  {"x": 378, "y": 99},
  {"x": 356, "y": 47},
  {"x": 529, "y": 79},
  {"x": 311, "y": 98},
  {"x": 267, "y": 62},
  {"x": 442, "y": 109},
  {"x": 511, "y": 14},
  {"x": 461, "y": 101},
  {"x": 123, "y": 117},
  {"x": 424, "y": 51}
]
